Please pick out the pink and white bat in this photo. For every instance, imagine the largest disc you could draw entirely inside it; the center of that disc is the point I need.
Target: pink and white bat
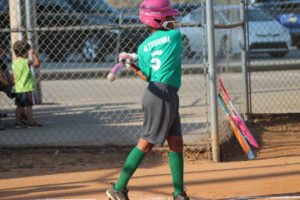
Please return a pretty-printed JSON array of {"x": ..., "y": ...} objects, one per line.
[
  {"x": 238, "y": 118},
  {"x": 115, "y": 71}
]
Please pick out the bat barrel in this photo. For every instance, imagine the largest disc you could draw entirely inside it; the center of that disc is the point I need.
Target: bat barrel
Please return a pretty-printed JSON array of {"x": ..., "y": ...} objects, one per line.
[{"x": 114, "y": 72}]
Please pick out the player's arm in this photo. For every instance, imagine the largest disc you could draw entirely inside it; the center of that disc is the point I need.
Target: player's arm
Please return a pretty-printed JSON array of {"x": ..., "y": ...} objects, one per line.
[{"x": 137, "y": 70}]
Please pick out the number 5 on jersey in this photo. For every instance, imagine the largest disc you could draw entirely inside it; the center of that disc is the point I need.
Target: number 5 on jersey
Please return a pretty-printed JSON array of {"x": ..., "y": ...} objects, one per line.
[{"x": 156, "y": 62}]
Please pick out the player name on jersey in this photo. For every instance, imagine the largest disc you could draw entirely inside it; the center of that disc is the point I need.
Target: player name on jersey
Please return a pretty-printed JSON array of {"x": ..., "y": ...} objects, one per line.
[{"x": 156, "y": 42}]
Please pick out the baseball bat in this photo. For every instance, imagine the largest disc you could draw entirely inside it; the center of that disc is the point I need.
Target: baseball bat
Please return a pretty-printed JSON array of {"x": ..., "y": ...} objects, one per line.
[
  {"x": 238, "y": 118},
  {"x": 114, "y": 71},
  {"x": 241, "y": 139}
]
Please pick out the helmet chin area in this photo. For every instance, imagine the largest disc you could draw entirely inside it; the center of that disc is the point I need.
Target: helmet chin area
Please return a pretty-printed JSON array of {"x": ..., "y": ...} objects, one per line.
[{"x": 166, "y": 23}]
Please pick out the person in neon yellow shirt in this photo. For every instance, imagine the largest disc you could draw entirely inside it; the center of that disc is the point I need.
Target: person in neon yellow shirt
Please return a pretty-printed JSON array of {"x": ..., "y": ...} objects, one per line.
[{"x": 24, "y": 82}]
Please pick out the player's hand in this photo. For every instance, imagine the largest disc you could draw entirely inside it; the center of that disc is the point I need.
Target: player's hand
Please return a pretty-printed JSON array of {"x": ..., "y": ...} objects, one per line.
[
  {"x": 127, "y": 58},
  {"x": 31, "y": 51}
]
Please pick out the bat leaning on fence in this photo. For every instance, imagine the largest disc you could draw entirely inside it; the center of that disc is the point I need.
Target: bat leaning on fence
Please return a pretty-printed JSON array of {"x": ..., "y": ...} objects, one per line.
[
  {"x": 238, "y": 118},
  {"x": 238, "y": 133}
]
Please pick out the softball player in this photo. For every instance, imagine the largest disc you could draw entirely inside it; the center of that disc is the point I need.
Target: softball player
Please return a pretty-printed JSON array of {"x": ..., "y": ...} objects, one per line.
[{"x": 160, "y": 65}]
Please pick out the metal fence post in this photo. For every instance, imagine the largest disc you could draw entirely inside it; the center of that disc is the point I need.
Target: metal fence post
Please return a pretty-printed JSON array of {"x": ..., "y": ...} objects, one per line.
[
  {"x": 212, "y": 80},
  {"x": 30, "y": 19},
  {"x": 245, "y": 109},
  {"x": 15, "y": 22}
]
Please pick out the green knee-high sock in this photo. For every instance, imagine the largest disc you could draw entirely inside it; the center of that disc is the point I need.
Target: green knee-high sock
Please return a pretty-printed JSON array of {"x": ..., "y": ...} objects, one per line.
[
  {"x": 176, "y": 166},
  {"x": 133, "y": 160}
]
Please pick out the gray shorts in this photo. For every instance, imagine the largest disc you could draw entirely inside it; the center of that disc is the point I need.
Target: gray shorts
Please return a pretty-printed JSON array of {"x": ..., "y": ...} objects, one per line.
[{"x": 161, "y": 116}]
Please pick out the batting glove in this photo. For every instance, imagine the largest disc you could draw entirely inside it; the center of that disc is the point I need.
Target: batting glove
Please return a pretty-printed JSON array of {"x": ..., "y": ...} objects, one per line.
[{"x": 127, "y": 58}]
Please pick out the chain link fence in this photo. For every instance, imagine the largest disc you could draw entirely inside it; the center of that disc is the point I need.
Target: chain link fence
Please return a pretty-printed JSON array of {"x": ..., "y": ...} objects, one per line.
[
  {"x": 274, "y": 85},
  {"x": 78, "y": 43},
  {"x": 269, "y": 83},
  {"x": 272, "y": 56}
]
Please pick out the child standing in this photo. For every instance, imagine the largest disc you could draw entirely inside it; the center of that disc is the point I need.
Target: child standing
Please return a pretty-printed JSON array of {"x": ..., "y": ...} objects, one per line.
[
  {"x": 24, "y": 82},
  {"x": 160, "y": 65}
]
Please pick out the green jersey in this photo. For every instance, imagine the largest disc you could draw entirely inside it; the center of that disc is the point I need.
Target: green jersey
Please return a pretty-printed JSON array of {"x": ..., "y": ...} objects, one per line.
[
  {"x": 159, "y": 57},
  {"x": 24, "y": 81}
]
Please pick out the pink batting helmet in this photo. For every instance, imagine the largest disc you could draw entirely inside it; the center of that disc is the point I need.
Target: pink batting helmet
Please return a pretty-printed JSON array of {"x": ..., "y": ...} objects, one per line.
[{"x": 154, "y": 12}]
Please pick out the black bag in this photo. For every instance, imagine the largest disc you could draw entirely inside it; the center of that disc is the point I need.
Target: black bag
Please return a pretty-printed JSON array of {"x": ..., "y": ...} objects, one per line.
[{"x": 8, "y": 90}]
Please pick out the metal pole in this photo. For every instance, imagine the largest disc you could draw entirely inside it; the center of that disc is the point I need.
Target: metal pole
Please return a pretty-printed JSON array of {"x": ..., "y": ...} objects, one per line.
[
  {"x": 35, "y": 72},
  {"x": 28, "y": 21},
  {"x": 119, "y": 33},
  {"x": 21, "y": 36},
  {"x": 205, "y": 75},
  {"x": 15, "y": 22},
  {"x": 244, "y": 63},
  {"x": 212, "y": 80}
]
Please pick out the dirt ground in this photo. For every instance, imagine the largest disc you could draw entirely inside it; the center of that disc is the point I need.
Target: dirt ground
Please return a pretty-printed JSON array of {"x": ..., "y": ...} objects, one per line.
[{"x": 81, "y": 174}]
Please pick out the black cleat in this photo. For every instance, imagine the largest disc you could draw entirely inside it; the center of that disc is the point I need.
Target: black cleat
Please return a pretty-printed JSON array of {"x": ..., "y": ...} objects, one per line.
[
  {"x": 181, "y": 196},
  {"x": 113, "y": 194}
]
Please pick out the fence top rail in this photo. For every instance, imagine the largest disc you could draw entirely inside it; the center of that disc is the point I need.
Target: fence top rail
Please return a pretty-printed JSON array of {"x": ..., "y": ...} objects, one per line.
[{"x": 108, "y": 27}]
